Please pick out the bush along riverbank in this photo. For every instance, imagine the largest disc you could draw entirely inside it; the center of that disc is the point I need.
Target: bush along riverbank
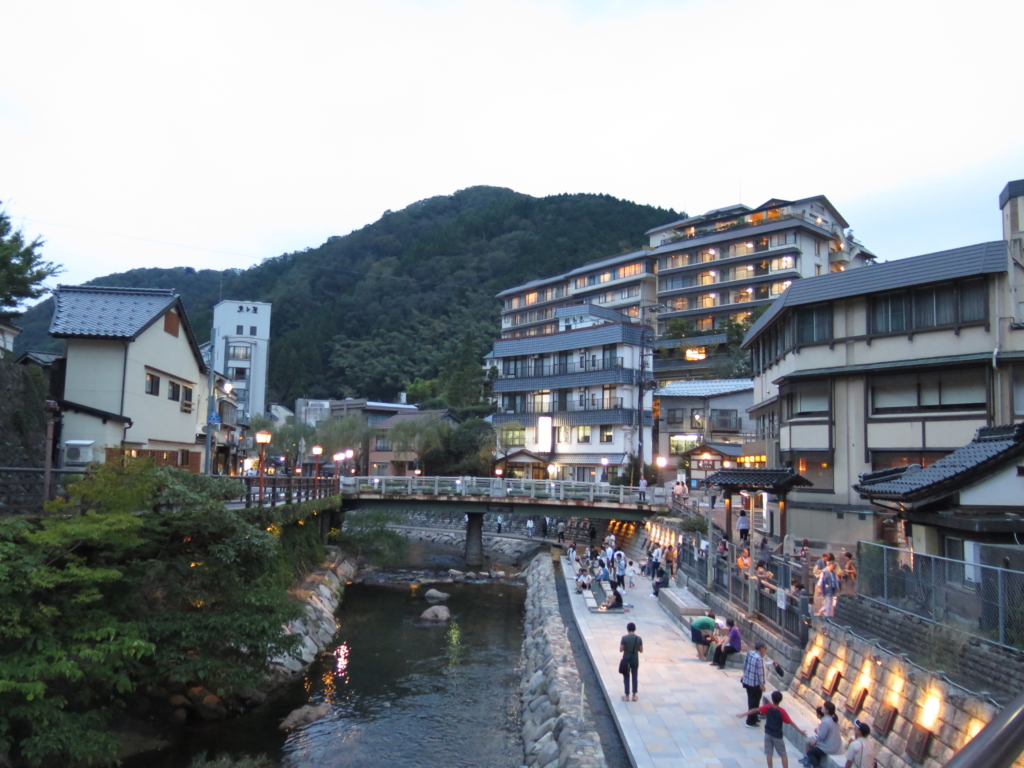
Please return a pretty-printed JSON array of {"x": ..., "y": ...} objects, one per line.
[{"x": 558, "y": 730}]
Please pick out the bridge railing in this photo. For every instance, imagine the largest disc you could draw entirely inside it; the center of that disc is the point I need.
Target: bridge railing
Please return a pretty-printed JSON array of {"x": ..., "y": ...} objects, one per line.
[{"x": 501, "y": 488}]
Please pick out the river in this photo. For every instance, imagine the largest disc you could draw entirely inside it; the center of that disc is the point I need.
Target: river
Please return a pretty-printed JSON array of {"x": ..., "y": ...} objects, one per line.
[{"x": 402, "y": 693}]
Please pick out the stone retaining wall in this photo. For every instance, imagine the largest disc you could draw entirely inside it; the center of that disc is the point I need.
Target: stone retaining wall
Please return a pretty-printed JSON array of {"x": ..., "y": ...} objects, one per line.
[
  {"x": 558, "y": 730},
  {"x": 501, "y": 547}
]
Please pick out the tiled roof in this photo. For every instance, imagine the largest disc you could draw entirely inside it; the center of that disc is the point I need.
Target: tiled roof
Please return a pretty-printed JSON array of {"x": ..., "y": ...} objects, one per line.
[
  {"x": 983, "y": 258},
  {"x": 1012, "y": 189},
  {"x": 704, "y": 388},
  {"x": 39, "y": 358},
  {"x": 989, "y": 449},
  {"x": 771, "y": 480},
  {"x": 734, "y": 450},
  {"x": 399, "y": 418},
  {"x": 107, "y": 313}
]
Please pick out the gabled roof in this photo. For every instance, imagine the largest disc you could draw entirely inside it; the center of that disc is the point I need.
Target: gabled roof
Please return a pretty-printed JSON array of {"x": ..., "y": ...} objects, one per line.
[
  {"x": 988, "y": 451},
  {"x": 980, "y": 259},
  {"x": 704, "y": 388},
  {"x": 96, "y": 312},
  {"x": 402, "y": 417},
  {"x": 734, "y": 450},
  {"x": 39, "y": 358},
  {"x": 771, "y": 480}
]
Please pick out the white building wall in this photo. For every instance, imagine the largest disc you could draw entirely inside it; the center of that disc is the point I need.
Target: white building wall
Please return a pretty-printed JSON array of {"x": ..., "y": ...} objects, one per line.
[{"x": 253, "y": 318}]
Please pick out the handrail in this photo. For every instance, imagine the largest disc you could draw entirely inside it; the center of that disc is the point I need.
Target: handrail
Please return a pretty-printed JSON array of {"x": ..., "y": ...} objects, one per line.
[{"x": 998, "y": 744}]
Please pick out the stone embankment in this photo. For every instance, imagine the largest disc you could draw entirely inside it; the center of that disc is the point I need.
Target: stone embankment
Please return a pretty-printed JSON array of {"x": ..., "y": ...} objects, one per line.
[
  {"x": 495, "y": 547},
  {"x": 558, "y": 730}
]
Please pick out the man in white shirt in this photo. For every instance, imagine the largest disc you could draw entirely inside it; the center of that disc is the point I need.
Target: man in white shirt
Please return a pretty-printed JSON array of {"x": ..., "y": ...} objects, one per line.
[
  {"x": 655, "y": 561},
  {"x": 856, "y": 755}
]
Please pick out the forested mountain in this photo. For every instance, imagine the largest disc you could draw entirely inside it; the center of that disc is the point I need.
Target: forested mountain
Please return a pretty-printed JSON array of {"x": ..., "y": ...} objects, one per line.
[{"x": 393, "y": 301}]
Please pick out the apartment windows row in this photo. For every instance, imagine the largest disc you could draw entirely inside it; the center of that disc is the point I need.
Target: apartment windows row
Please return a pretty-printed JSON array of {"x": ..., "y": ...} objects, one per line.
[
  {"x": 741, "y": 272},
  {"x": 962, "y": 390},
  {"x": 561, "y": 363},
  {"x": 933, "y": 306},
  {"x": 533, "y": 330},
  {"x": 729, "y": 251},
  {"x": 807, "y": 325},
  {"x": 723, "y": 419},
  {"x": 727, "y": 297},
  {"x": 533, "y": 316},
  {"x": 581, "y": 435},
  {"x": 534, "y": 297},
  {"x": 239, "y": 352},
  {"x": 176, "y": 391},
  {"x": 547, "y": 401},
  {"x": 240, "y": 330},
  {"x": 629, "y": 292},
  {"x": 606, "y": 276}
]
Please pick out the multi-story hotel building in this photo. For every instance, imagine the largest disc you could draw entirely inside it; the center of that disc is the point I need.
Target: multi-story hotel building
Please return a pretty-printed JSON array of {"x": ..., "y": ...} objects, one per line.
[
  {"x": 243, "y": 351},
  {"x": 568, "y": 371},
  {"x": 723, "y": 264},
  {"x": 895, "y": 365}
]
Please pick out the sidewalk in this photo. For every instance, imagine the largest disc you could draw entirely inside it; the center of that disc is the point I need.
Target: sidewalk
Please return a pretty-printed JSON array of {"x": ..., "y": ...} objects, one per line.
[{"x": 686, "y": 715}]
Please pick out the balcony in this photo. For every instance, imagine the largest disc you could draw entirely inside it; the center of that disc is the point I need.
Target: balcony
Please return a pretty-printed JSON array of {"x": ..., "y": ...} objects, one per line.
[
  {"x": 560, "y": 369},
  {"x": 725, "y": 423},
  {"x": 597, "y": 404},
  {"x": 744, "y": 224}
]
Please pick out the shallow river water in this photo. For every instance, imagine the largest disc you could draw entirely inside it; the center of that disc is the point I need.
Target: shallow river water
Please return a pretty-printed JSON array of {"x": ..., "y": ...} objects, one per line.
[{"x": 402, "y": 693}]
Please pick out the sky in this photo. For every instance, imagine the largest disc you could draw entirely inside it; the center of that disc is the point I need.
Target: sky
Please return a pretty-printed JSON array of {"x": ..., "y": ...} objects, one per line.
[{"x": 218, "y": 134}]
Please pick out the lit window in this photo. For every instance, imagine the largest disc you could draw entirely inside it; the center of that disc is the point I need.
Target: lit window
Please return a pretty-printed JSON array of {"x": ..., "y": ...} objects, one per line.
[{"x": 696, "y": 353}]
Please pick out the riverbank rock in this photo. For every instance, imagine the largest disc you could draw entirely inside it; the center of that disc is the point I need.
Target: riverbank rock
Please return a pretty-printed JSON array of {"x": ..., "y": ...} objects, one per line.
[
  {"x": 435, "y": 595},
  {"x": 304, "y": 716},
  {"x": 454, "y": 572},
  {"x": 437, "y": 613}
]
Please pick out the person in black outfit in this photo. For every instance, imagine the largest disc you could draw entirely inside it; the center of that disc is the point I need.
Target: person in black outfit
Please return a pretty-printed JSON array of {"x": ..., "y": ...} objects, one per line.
[
  {"x": 631, "y": 646},
  {"x": 593, "y": 534},
  {"x": 661, "y": 581}
]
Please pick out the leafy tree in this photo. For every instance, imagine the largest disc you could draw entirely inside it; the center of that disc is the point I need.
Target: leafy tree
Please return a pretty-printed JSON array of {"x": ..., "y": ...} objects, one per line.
[
  {"x": 366, "y": 534},
  {"x": 22, "y": 269},
  {"x": 735, "y": 363}
]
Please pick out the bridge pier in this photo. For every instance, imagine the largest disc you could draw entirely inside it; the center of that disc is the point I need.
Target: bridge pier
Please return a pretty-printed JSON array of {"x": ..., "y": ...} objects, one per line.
[{"x": 475, "y": 540}]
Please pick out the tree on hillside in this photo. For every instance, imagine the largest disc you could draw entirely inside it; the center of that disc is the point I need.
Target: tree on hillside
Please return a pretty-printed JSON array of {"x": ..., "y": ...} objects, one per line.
[{"x": 22, "y": 270}]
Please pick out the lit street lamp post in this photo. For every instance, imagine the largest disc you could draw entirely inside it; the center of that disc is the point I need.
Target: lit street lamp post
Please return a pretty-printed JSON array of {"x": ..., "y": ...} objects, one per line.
[
  {"x": 604, "y": 469},
  {"x": 317, "y": 450},
  {"x": 338, "y": 458},
  {"x": 262, "y": 438}
]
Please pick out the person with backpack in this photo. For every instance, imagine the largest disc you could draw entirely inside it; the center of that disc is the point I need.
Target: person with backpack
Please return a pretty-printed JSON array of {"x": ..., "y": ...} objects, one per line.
[
  {"x": 828, "y": 586},
  {"x": 774, "y": 718}
]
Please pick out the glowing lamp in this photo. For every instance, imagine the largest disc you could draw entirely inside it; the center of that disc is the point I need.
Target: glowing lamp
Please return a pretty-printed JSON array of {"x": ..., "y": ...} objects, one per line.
[{"x": 263, "y": 437}]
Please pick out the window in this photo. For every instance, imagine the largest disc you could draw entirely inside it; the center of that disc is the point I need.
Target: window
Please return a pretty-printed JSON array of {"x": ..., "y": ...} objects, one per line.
[
  {"x": 676, "y": 415},
  {"x": 817, "y": 247},
  {"x": 583, "y": 435},
  {"x": 695, "y": 353},
  {"x": 707, "y": 278},
  {"x": 630, "y": 269},
  {"x": 939, "y": 391},
  {"x": 513, "y": 436},
  {"x": 808, "y": 400},
  {"x": 708, "y": 254},
  {"x": 239, "y": 330},
  {"x": 816, "y": 467},
  {"x": 562, "y": 435},
  {"x": 889, "y": 313},
  {"x": 696, "y": 418},
  {"x": 252, "y": 330},
  {"x": 725, "y": 420},
  {"x": 1018, "y": 390},
  {"x": 152, "y": 384},
  {"x": 607, "y": 433},
  {"x": 673, "y": 283},
  {"x": 681, "y": 443},
  {"x": 705, "y": 323},
  {"x": 783, "y": 262},
  {"x": 605, "y": 277},
  {"x": 890, "y": 459},
  {"x": 171, "y": 323},
  {"x": 633, "y": 311},
  {"x": 186, "y": 396},
  {"x": 531, "y": 298},
  {"x": 239, "y": 374},
  {"x": 630, "y": 292},
  {"x": 707, "y": 300},
  {"x": 383, "y": 444},
  {"x": 934, "y": 306},
  {"x": 741, "y": 249},
  {"x": 814, "y": 324},
  {"x": 581, "y": 282},
  {"x": 777, "y": 288},
  {"x": 173, "y": 391},
  {"x": 239, "y": 352}
]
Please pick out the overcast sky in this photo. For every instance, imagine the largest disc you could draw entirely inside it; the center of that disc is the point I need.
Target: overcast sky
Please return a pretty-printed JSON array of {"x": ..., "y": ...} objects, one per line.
[{"x": 129, "y": 131}]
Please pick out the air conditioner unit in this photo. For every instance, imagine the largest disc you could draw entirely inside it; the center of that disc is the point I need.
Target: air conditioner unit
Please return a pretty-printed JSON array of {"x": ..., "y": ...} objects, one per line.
[{"x": 78, "y": 453}]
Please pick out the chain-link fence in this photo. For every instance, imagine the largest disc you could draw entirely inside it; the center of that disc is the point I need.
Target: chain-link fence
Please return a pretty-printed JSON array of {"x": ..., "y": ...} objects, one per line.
[{"x": 977, "y": 599}]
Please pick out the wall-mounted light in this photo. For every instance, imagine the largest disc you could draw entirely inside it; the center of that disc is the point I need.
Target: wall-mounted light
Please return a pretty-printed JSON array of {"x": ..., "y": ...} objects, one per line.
[{"x": 877, "y": 659}]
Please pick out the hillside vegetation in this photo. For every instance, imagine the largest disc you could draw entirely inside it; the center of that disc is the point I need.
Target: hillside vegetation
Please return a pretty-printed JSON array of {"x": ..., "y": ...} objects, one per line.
[{"x": 395, "y": 300}]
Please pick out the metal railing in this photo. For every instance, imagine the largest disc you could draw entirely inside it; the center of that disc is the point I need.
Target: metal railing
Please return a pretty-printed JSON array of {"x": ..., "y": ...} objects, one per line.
[
  {"x": 743, "y": 224},
  {"x": 282, "y": 489},
  {"x": 979, "y": 600},
  {"x": 511, "y": 489},
  {"x": 559, "y": 369},
  {"x": 598, "y": 404}
]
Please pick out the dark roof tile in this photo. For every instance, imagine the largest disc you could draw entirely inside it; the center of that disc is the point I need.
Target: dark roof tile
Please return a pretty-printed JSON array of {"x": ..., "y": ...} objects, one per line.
[{"x": 108, "y": 313}]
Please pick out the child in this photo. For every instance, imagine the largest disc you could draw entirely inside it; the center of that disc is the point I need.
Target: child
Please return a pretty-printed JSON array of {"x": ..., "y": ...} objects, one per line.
[
  {"x": 774, "y": 717},
  {"x": 631, "y": 573}
]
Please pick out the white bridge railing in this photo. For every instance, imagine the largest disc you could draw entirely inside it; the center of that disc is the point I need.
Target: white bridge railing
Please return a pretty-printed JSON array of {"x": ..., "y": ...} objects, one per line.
[{"x": 503, "y": 488}]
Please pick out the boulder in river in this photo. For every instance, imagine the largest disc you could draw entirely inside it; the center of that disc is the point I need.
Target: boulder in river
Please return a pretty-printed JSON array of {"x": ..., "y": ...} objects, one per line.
[
  {"x": 437, "y": 613},
  {"x": 454, "y": 572},
  {"x": 434, "y": 595},
  {"x": 304, "y": 716}
]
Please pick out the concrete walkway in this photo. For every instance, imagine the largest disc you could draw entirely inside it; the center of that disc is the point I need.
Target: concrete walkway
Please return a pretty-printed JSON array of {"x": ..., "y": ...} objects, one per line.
[{"x": 686, "y": 715}]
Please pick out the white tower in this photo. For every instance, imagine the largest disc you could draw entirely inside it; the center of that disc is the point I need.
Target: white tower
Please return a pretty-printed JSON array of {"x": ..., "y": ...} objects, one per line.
[{"x": 242, "y": 351}]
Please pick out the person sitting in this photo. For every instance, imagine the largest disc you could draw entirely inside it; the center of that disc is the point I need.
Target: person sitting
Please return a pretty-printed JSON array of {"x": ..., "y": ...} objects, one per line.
[
  {"x": 743, "y": 561},
  {"x": 827, "y": 739},
  {"x": 614, "y": 600},
  {"x": 661, "y": 580},
  {"x": 603, "y": 574},
  {"x": 702, "y": 629},
  {"x": 734, "y": 644},
  {"x": 762, "y": 570},
  {"x": 796, "y": 587},
  {"x": 583, "y": 580}
]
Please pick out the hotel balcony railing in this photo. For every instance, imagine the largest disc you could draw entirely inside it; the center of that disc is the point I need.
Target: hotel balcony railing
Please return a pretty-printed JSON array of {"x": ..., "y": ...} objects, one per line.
[
  {"x": 743, "y": 224},
  {"x": 600, "y": 404},
  {"x": 560, "y": 369}
]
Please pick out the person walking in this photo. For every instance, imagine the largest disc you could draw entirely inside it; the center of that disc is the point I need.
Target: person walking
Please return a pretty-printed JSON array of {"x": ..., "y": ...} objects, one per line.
[
  {"x": 500, "y": 521},
  {"x": 848, "y": 579},
  {"x": 774, "y": 718},
  {"x": 631, "y": 646},
  {"x": 631, "y": 574},
  {"x": 826, "y": 740},
  {"x": 561, "y": 531},
  {"x": 529, "y": 527},
  {"x": 620, "y": 570},
  {"x": 655, "y": 560},
  {"x": 677, "y": 493},
  {"x": 643, "y": 488},
  {"x": 753, "y": 681},
  {"x": 743, "y": 525},
  {"x": 828, "y": 585}
]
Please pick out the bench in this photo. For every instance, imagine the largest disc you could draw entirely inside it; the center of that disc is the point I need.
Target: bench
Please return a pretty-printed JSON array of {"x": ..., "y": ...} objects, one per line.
[{"x": 681, "y": 603}]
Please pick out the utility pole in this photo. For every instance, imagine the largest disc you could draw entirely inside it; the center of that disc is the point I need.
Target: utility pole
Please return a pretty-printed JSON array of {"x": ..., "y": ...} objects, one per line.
[
  {"x": 643, "y": 379},
  {"x": 211, "y": 402}
]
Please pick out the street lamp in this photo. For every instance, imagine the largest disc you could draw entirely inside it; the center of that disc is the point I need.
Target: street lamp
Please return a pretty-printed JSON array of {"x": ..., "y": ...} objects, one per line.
[
  {"x": 661, "y": 462},
  {"x": 551, "y": 471},
  {"x": 338, "y": 458},
  {"x": 604, "y": 469},
  {"x": 317, "y": 450},
  {"x": 499, "y": 472},
  {"x": 262, "y": 438}
]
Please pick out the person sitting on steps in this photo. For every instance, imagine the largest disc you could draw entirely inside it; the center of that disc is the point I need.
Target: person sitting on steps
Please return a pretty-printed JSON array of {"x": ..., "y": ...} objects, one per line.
[{"x": 732, "y": 645}]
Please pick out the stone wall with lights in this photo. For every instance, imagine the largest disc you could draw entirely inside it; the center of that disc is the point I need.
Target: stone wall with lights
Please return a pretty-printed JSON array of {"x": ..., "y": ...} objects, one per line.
[{"x": 918, "y": 718}]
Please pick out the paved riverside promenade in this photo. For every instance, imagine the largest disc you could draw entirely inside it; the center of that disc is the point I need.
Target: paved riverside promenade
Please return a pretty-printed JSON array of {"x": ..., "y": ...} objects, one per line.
[{"x": 686, "y": 715}]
